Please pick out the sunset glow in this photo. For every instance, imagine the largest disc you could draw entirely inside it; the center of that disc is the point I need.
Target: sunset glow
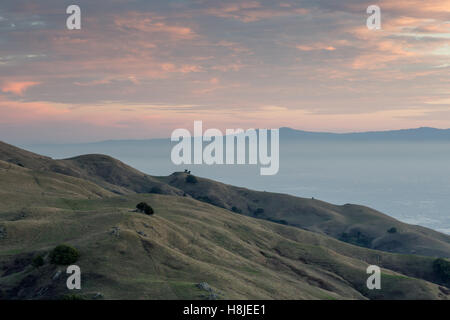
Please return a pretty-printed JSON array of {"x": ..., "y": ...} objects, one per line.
[{"x": 139, "y": 69}]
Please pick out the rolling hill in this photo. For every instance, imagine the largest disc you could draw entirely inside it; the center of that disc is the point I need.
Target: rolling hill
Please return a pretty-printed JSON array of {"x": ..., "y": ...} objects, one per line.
[
  {"x": 355, "y": 224},
  {"x": 105, "y": 171},
  {"x": 195, "y": 246}
]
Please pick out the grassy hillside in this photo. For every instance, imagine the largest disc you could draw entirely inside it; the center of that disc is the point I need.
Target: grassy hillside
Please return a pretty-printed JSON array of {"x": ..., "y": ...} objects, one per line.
[
  {"x": 128, "y": 255},
  {"x": 21, "y": 188},
  {"x": 188, "y": 242},
  {"x": 105, "y": 171},
  {"x": 355, "y": 224}
]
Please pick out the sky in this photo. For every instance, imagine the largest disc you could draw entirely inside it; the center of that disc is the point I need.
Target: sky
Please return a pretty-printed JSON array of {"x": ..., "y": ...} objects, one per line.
[{"x": 140, "y": 69}]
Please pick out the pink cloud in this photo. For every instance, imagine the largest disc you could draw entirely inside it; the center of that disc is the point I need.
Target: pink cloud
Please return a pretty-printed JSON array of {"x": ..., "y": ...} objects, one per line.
[
  {"x": 418, "y": 7},
  {"x": 251, "y": 11},
  {"x": 315, "y": 46},
  {"x": 185, "y": 68},
  {"x": 15, "y": 112},
  {"x": 140, "y": 22},
  {"x": 140, "y": 49},
  {"x": 18, "y": 87}
]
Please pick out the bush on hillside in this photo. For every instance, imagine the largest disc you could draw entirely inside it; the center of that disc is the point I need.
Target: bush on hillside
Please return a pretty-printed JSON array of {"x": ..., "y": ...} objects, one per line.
[
  {"x": 191, "y": 179},
  {"x": 64, "y": 255},
  {"x": 392, "y": 230},
  {"x": 144, "y": 208},
  {"x": 279, "y": 221},
  {"x": 156, "y": 190},
  {"x": 441, "y": 268},
  {"x": 259, "y": 211},
  {"x": 356, "y": 238},
  {"x": 236, "y": 209},
  {"x": 38, "y": 261},
  {"x": 207, "y": 200}
]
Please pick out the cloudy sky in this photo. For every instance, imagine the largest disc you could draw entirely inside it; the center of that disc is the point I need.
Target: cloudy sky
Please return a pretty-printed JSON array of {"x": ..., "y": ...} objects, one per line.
[{"x": 140, "y": 68}]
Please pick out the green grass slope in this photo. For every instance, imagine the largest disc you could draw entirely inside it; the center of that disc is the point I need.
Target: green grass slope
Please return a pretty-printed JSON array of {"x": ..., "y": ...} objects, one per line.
[
  {"x": 128, "y": 255},
  {"x": 355, "y": 224},
  {"x": 105, "y": 171},
  {"x": 21, "y": 188},
  {"x": 194, "y": 237}
]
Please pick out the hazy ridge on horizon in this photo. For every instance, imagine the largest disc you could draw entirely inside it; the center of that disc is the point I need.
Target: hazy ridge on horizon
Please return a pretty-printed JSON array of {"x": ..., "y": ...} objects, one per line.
[
  {"x": 422, "y": 133},
  {"x": 408, "y": 179}
]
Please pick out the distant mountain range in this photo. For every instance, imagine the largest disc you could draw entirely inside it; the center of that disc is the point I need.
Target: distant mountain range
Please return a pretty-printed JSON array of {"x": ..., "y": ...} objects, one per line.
[
  {"x": 416, "y": 134},
  {"x": 423, "y": 133},
  {"x": 286, "y": 133}
]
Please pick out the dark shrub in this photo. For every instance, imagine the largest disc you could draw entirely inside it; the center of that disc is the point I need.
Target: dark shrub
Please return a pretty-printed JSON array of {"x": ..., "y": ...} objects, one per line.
[
  {"x": 156, "y": 190},
  {"x": 441, "y": 267},
  {"x": 205, "y": 199},
  {"x": 259, "y": 211},
  {"x": 144, "y": 208},
  {"x": 356, "y": 238},
  {"x": 191, "y": 179},
  {"x": 392, "y": 230},
  {"x": 38, "y": 261},
  {"x": 235, "y": 209},
  {"x": 279, "y": 221},
  {"x": 64, "y": 254}
]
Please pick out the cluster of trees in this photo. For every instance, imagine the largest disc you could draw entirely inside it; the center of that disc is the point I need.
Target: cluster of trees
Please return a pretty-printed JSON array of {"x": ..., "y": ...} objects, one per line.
[{"x": 61, "y": 255}]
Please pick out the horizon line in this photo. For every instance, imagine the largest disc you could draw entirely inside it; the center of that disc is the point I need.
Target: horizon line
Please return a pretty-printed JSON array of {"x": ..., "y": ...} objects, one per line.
[{"x": 280, "y": 128}]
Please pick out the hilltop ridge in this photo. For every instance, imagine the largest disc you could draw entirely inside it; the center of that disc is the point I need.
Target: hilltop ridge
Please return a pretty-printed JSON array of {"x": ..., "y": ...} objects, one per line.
[
  {"x": 355, "y": 224},
  {"x": 193, "y": 237}
]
